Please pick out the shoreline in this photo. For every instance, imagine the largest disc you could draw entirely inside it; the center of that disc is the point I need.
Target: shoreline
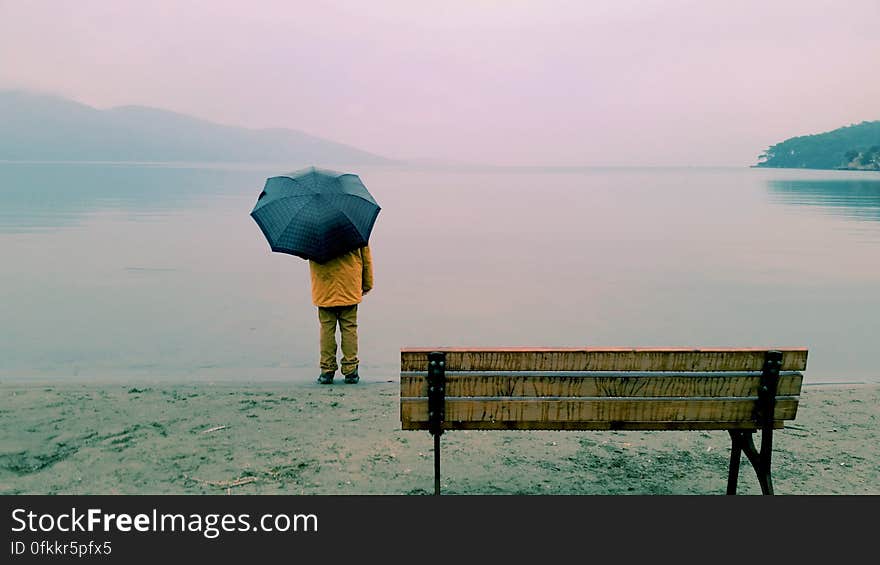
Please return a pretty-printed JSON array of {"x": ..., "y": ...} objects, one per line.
[
  {"x": 294, "y": 374},
  {"x": 305, "y": 438},
  {"x": 815, "y": 168}
]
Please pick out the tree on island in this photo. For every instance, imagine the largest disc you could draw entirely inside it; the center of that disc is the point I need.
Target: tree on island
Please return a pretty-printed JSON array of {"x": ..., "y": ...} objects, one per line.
[{"x": 851, "y": 147}]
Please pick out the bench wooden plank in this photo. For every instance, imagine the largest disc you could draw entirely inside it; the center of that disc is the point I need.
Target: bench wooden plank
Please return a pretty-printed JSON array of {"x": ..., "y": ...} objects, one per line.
[
  {"x": 601, "y": 359},
  {"x": 594, "y": 426},
  {"x": 552, "y": 410},
  {"x": 415, "y": 384}
]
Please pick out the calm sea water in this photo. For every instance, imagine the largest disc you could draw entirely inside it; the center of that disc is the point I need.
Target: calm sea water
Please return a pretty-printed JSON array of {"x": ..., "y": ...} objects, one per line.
[{"x": 141, "y": 272}]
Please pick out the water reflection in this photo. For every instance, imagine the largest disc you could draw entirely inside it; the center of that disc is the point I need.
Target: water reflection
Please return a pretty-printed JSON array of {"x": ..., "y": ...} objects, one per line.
[
  {"x": 40, "y": 196},
  {"x": 853, "y": 199}
]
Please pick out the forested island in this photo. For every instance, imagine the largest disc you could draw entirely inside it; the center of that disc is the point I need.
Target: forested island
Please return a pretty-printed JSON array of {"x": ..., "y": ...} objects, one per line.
[{"x": 854, "y": 147}]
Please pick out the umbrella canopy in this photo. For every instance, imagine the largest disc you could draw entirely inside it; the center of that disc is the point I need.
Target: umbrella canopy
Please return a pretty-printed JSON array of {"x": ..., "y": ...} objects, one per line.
[{"x": 315, "y": 214}]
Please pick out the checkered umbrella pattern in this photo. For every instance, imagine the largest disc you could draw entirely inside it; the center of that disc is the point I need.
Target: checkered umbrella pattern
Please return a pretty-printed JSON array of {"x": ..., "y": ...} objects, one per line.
[{"x": 316, "y": 214}]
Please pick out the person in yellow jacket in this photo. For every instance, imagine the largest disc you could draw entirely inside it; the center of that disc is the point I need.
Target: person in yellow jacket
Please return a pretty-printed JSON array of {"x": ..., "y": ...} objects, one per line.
[{"x": 338, "y": 286}]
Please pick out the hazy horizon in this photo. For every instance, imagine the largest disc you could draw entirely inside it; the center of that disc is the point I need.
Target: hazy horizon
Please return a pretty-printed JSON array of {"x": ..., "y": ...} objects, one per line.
[{"x": 623, "y": 83}]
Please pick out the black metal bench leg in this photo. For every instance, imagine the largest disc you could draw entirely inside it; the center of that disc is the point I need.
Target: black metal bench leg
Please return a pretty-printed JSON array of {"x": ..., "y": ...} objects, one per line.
[
  {"x": 742, "y": 442},
  {"x": 437, "y": 464},
  {"x": 764, "y": 461},
  {"x": 735, "y": 452}
]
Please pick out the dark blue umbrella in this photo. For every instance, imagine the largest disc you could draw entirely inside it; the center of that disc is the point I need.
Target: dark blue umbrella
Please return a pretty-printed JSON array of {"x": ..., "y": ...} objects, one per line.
[{"x": 315, "y": 214}]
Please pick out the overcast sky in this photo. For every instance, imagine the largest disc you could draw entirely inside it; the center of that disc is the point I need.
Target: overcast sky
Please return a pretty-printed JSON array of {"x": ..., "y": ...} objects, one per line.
[{"x": 616, "y": 82}]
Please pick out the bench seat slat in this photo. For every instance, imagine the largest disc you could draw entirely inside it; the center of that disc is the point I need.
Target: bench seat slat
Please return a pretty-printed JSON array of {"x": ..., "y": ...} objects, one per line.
[
  {"x": 550, "y": 410},
  {"x": 415, "y": 384},
  {"x": 587, "y": 426},
  {"x": 602, "y": 359}
]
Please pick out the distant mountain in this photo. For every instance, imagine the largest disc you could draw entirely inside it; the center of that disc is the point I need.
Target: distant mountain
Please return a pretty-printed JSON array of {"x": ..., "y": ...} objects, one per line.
[
  {"x": 854, "y": 147},
  {"x": 37, "y": 127}
]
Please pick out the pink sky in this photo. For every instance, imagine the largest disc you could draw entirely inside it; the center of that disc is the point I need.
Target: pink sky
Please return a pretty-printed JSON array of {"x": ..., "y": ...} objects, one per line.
[{"x": 617, "y": 82}]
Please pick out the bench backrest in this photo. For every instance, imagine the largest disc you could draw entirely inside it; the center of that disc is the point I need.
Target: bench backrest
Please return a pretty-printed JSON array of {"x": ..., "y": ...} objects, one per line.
[{"x": 539, "y": 388}]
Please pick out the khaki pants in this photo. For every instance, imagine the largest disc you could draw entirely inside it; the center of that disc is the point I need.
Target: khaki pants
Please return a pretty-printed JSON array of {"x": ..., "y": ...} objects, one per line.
[{"x": 346, "y": 318}]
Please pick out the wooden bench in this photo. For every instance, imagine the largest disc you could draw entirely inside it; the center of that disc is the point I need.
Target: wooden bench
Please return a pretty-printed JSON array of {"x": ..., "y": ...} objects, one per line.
[{"x": 741, "y": 390}]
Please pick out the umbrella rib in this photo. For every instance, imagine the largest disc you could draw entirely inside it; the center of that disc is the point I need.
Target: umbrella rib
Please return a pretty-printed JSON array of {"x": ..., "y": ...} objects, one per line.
[
  {"x": 373, "y": 201},
  {"x": 269, "y": 206},
  {"x": 303, "y": 187},
  {"x": 300, "y": 186},
  {"x": 275, "y": 201},
  {"x": 371, "y": 198},
  {"x": 353, "y": 223},
  {"x": 291, "y": 223},
  {"x": 289, "y": 196}
]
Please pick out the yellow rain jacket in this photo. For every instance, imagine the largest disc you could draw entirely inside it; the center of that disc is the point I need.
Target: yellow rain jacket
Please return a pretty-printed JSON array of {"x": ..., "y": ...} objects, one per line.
[{"x": 344, "y": 280}]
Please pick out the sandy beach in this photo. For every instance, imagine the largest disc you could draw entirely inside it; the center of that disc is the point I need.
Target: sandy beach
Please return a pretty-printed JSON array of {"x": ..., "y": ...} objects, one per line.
[{"x": 304, "y": 438}]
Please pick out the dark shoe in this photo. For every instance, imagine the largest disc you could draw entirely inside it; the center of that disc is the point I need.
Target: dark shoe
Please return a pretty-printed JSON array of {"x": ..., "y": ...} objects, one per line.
[
  {"x": 325, "y": 378},
  {"x": 351, "y": 379}
]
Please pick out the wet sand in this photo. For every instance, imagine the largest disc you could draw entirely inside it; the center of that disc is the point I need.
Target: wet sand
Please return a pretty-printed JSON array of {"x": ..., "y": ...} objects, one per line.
[{"x": 305, "y": 438}]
